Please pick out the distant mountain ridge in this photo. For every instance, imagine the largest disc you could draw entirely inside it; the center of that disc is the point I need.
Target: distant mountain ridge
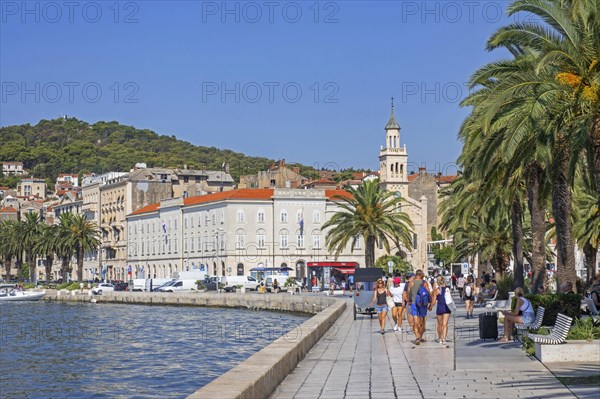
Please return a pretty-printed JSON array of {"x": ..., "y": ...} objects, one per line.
[{"x": 69, "y": 145}]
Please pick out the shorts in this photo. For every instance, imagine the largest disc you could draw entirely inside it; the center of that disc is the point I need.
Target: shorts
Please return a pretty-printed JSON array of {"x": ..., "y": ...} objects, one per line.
[
  {"x": 418, "y": 312},
  {"x": 381, "y": 308},
  {"x": 528, "y": 318},
  {"x": 468, "y": 298},
  {"x": 398, "y": 304}
]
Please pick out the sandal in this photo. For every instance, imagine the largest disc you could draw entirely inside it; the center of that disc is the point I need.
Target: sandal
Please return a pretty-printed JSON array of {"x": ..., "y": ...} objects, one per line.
[{"x": 504, "y": 339}]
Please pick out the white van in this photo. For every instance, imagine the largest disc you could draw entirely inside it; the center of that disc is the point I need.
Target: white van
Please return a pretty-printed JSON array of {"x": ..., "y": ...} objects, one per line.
[
  {"x": 248, "y": 282},
  {"x": 180, "y": 285}
]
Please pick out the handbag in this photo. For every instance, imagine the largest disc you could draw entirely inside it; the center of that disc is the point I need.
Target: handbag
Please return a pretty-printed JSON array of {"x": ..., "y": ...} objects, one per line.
[{"x": 449, "y": 300}]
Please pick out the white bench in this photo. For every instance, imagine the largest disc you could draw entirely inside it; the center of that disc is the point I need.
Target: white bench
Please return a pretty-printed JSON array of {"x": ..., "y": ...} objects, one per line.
[{"x": 558, "y": 334}]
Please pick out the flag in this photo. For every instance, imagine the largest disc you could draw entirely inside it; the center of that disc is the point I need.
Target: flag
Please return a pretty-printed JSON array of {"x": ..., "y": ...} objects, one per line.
[
  {"x": 164, "y": 227},
  {"x": 302, "y": 223}
]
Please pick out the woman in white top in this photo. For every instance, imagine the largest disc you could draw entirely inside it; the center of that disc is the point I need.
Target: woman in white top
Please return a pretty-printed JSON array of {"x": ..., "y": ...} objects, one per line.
[
  {"x": 522, "y": 313},
  {"x": 397, "y": 290}
]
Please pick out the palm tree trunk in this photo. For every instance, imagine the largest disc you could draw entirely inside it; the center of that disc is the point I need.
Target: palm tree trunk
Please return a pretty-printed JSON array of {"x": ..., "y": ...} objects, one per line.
[
  {"x": 561, "y": 209},
  {"x": 65, "y": 269},
  {"x": 370, "y": 252},
  {"x": 8, "y": 266},
  {"x": 32, "y": 266},
  {"x": 79, "y": 254},
  {"x": 538, "y": 228},
  {"x": 595, "y": 150},
  {"x": 590, "y": 260},
  {"x": 19, "y": 266},
  {"x": 516, "y": 211},
  {"x": 49, "y": 261}
]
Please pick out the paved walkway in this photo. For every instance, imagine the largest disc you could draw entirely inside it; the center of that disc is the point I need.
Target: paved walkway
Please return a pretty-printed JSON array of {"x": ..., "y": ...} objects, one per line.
[{"x": 354, "y": 360}]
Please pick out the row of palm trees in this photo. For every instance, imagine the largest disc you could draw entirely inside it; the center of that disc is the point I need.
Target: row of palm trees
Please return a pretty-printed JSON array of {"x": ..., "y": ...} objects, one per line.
[
  {"x": 531, "y": 145},
  {"x": 28, "y": 239}
]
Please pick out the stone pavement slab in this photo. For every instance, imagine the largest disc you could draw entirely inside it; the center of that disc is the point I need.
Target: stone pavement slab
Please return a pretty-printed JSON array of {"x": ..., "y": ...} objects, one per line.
[{"x": 356, "y": 361}]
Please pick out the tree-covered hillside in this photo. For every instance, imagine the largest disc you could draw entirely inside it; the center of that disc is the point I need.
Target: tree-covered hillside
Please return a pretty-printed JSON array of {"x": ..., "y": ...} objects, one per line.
[{"x": 73, "y": 146}]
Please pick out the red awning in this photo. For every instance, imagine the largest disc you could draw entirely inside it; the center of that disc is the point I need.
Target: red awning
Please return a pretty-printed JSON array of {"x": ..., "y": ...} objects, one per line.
[{"x": 352, "y": 265}]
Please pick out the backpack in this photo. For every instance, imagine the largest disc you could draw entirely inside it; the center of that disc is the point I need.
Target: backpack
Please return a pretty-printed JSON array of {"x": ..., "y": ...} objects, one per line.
[
  {"x": 468, "y": 290},
  {"x": 422, "y": 299}
]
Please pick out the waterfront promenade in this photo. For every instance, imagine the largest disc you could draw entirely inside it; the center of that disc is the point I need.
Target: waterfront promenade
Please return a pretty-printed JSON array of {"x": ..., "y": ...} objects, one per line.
[{"x": 353, "y": 360}]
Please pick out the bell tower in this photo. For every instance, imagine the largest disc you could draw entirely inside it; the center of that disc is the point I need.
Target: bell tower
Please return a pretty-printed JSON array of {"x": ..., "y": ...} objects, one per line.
[{"x": 393, "y": 159}]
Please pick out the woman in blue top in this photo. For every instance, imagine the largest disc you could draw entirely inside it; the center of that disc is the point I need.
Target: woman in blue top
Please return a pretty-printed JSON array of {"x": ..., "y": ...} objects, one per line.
[
  {"x": 442, "y": 311},
  {"x": 522, "y": 313}
]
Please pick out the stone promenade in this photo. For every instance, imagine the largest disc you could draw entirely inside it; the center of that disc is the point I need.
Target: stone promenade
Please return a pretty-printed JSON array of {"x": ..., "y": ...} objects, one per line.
[{"x": 353, "y": 360}]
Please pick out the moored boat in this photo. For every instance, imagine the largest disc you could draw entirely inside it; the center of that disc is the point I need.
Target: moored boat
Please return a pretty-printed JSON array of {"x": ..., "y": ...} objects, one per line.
[{"x": 17, "y": 295}]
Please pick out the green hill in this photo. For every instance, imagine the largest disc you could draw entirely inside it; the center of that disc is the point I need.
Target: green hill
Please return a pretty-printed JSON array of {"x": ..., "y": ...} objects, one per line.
[{"x": 73, "y": 146}]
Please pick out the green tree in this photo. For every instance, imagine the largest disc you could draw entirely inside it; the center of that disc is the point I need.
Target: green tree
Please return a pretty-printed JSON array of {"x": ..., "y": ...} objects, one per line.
[
  {"x": 6, "y": 248},
  {"x": 400, "y": 265},
  {"x": 81, "y": 235},
  {"x": 372, "y": 213},
  {"x": 29, "y": 233}
]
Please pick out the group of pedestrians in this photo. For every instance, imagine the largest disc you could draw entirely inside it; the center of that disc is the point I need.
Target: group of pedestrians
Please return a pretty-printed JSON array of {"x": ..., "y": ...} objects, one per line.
[{"x": 414, "y": 296}]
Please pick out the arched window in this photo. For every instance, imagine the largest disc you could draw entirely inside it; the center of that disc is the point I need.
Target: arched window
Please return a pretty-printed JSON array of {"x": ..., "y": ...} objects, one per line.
[
  {"x": 284, "y": 237},
  {"x": 240, "y": 269},
  {"x": 261, "y": 238},
  {"x": 240, "y": 239}
]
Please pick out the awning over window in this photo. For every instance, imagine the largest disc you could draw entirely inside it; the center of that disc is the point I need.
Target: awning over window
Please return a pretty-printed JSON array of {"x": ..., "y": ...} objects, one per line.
[{"x": 333, "y": 264}]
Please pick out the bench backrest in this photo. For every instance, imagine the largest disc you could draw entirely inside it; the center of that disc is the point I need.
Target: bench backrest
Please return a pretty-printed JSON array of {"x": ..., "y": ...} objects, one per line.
[
  {"x": 539, "y": 316},
  {"x": 562, "y": 326}
]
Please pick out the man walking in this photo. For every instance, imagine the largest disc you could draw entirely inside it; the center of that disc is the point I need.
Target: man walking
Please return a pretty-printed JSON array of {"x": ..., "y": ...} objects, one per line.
[{"x": 419, "y": 298}]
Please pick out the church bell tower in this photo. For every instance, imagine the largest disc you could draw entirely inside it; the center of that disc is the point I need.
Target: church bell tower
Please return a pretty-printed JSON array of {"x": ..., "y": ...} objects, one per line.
[{"x": 393, "y": 159}]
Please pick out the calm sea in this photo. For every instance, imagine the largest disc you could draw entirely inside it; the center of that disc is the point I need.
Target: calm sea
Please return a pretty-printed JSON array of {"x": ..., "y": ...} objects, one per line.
[{"x": 83, "y": 350}]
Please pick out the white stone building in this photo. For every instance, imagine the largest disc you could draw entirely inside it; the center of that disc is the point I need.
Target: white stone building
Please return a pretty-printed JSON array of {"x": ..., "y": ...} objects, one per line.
[{"x": 232, "y": 232}]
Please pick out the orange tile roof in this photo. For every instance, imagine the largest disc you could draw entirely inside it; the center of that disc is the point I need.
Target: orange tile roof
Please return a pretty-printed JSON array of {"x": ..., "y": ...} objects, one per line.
[
  {"x": 447, "y": 179},
  {"x": 245, "y": 193},
  {"x": 4, "y": 188},
  {"x": 330, "y": 194},
  {"x": 8, "y": 209},
  {"x": 147, "y": 209}
]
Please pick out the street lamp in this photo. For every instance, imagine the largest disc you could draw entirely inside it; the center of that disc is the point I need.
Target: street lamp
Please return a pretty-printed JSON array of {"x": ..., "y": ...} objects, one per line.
[{"x": 218, "y": 233}]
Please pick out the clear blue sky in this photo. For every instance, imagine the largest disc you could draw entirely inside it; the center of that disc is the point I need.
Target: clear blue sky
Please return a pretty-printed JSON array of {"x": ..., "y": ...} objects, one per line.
[{"x": 165, "y": 65}]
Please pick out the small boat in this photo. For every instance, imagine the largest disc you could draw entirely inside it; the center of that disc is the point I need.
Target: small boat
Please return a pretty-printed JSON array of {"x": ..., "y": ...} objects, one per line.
[{"x": 17, "y": 295}]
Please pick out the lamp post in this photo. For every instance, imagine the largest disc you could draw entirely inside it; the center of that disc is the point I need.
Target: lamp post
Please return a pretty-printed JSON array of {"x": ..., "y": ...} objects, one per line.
[{"x": 217, "y": 272}]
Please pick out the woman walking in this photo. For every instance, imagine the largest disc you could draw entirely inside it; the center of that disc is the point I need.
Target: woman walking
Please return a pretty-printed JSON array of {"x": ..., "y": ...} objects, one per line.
[
  {"x": 442, "y": 311},
  {"x": 469, "y": 293},
  {"x": 525, "y": 315},
  {"x": 380, "y": 296},
  {"x": 397, "y": 311}
]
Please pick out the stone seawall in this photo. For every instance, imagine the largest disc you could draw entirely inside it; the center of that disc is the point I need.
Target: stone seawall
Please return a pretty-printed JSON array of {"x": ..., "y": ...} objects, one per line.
[
  {"x": 260, "y": 374},
  {"x": 280, "y": 302}
]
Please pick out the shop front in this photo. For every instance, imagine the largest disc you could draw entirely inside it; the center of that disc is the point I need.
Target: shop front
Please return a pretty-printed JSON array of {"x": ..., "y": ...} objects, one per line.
[{"x": 322, "y": 274}]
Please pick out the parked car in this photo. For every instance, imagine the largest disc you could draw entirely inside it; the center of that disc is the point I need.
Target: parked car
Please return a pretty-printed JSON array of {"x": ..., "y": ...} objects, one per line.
[
  {"x": 232, "y": 282},
  {"x": 121, "y": 286},
  {"x": 180, "y": 285},
  {"x": 103, "y": 287},
  {"x": 165, "y": 285}
]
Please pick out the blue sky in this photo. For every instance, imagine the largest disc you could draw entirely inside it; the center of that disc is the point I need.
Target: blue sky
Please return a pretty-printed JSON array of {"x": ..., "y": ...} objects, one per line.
[{"x": 306, "y": 81}]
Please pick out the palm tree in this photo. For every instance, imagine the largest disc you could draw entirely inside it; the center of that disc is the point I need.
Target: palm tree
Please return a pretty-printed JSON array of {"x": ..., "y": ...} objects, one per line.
[
  {"x": 64, "y": 250},
  {"x": 29, "y": 233},
  {"x": 46, "y": 246},
  {"x": 6, "y": 251},
  {"x": 372, "y": 213},
  {"x": 82, "y": 235},
  {"x": 587, "y": 226}
]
